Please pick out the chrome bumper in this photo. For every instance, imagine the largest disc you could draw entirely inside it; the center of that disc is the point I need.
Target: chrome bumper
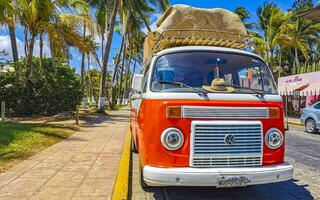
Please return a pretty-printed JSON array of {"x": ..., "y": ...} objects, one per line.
[{"x": 155, "y": 176}]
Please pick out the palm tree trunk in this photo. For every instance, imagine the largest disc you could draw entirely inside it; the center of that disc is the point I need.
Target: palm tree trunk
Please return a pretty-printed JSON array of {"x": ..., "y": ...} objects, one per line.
[
  {"x": 102, "y": 89},
  {"x": 271, "y": 59},
  {"x": 113, "y": 91},
  {"x": 53, "y": 61},
  {"x": 30, "y": 55},
  {"x": 280, "y": 62},
  {"x": 13, "y": 40},
  {"x": 134, "y": 66},
  {"x": 121, "y": 75},
  {"x": 118, "y": 59},
  {"x": 89, "y": 78},
  {"x": 41, "y": 52},
  {"x": 126, "y": 89},
  {"x": 102, "y": 44},
  {"x": 296, "y": 57},
  {"x": 25, "y": 33},
  {"x": 83, "y": 56}
]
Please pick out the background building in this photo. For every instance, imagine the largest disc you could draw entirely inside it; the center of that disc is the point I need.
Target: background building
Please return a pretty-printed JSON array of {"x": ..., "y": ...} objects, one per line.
[{"x": 299, "y": 91}]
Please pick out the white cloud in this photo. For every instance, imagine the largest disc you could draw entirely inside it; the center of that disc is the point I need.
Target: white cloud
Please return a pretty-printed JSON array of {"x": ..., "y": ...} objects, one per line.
[
  {"x": 46, "y": 49},
  {"x": 5, "y": 44},
  {"x": 97, "y": 38}
]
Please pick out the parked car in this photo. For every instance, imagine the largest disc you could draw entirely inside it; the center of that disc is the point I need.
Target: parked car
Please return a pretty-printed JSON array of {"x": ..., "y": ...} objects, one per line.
[{"x": 310, "y": 117}]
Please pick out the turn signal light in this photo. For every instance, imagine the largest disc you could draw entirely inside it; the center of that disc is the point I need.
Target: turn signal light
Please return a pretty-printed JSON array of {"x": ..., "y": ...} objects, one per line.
[
  {"x": 174, "y": 112},
  {"x": 274, "y": 113}
]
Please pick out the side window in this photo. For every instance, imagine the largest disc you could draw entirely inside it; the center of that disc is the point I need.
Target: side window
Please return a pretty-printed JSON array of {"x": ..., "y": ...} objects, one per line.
[
  {"x": 317, "y": 106},
  {"x": 267, "y": 84}
]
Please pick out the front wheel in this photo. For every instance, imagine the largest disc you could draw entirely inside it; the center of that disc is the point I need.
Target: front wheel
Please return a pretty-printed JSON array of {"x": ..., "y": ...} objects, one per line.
[{"x": 311, "y": 126}]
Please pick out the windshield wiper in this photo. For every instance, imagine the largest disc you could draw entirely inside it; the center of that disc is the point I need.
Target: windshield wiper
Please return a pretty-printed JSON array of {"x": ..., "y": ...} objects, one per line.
[
  {"x": 256, "y": 91},
  {"x": 200, "y": 92}
]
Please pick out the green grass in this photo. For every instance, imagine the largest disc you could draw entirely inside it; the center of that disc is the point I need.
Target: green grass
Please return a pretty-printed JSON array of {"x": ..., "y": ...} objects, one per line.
[
  {"x": 19, "y": 141},
  {"x": 118, "y": 107}
]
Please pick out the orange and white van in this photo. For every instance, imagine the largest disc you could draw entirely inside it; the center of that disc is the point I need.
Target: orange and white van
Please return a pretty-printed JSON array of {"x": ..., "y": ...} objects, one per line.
[{"x": 208, "y": 116}]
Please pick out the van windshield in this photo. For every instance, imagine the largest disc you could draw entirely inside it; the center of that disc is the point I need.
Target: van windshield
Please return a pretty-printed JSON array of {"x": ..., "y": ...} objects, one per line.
[{"x": 198, "y": 70}]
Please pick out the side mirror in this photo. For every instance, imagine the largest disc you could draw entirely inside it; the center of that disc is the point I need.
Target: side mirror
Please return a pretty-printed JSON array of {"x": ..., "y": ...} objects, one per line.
[{"x": 137, "y": 83}]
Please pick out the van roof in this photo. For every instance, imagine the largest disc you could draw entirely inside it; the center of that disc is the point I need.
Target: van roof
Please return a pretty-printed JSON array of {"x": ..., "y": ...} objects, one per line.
[{"x": 206, "y": 48}]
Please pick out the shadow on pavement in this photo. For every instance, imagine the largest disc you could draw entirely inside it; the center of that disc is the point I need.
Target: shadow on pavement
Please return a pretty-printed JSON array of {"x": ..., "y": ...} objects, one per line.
[
  {"x": 96, "y": 119},
  {"x": 288, "y": 190}
]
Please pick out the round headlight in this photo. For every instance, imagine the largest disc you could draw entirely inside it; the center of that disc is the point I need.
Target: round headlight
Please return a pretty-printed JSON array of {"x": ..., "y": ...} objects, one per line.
[
  {"x": 274, "y": 138},
  {"x": 172, "y": 139}
]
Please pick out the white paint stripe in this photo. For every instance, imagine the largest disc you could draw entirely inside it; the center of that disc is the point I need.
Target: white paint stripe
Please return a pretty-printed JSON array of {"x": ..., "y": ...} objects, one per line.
[{"x": 211, "y": 96}]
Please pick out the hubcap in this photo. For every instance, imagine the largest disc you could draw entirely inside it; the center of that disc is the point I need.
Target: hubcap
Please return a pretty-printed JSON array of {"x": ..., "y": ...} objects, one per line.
[{"x": 310, "y": 125}]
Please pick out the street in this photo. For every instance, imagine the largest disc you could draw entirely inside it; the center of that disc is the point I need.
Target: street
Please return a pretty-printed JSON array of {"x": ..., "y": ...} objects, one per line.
[{"x": 302, "y": 150}]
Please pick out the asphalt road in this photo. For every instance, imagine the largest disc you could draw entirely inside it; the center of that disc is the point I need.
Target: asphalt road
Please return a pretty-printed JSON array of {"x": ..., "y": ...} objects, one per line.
[
  {"x": 303, "y": 147},
  {"x": 302, "y": 150}
]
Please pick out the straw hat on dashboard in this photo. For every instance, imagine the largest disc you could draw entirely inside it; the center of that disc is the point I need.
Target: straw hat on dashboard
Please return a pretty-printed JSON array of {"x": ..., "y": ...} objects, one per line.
[{"x": 218, "y": 85}]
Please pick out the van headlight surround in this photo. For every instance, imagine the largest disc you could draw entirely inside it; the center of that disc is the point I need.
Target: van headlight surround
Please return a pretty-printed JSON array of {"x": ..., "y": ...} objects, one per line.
[
  {"x": 274, "y": 138},
  {"x": 172, "y": 138}
]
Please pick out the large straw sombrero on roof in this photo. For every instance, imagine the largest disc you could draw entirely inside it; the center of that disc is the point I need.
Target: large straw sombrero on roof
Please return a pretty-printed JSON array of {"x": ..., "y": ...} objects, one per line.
[{"x": 218, "y": 85}]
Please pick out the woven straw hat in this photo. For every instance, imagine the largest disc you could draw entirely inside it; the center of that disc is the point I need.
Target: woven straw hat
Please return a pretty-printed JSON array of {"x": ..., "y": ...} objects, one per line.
[{"x": 218, "y": 85}]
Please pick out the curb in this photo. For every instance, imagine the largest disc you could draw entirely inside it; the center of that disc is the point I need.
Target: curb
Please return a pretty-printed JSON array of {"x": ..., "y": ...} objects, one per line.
[
  {"x": 295, "y": 124},
  {"x": 120, "y": 190}
]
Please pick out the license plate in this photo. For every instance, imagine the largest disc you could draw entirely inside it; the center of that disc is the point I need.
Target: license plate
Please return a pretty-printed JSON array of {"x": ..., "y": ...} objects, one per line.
[{"x": 232, "y": 181}]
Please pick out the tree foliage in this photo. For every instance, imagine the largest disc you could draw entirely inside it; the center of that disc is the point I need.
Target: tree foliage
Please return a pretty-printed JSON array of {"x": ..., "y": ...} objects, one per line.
[
  {"x": 49, "y": 92},
  {"x": 284, "y": 39}
]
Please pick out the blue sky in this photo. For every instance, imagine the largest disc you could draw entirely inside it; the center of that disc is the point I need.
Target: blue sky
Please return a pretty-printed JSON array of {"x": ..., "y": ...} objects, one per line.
[{"x": 251, "y": 6}]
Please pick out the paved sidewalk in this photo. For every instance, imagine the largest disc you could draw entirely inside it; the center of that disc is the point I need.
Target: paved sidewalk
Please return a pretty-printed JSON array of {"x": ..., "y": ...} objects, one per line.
[{"x": 83, "y": 166}]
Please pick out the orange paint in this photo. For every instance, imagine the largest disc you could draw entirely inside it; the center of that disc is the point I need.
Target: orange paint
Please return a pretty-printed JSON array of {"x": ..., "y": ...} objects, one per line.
[{"x": 152, "y": 120}]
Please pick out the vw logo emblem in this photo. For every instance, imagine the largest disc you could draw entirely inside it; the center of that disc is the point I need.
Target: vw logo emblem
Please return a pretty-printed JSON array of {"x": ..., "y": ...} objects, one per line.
[{"x": 229, "y": 139}]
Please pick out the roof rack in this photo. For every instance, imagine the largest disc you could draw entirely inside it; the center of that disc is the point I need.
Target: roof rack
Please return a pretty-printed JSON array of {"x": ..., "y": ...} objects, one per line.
[{"x": 156, "y": 42}]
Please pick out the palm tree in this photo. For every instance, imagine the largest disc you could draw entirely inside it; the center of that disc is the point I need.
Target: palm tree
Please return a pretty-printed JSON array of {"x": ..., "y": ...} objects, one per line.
[
  {"x": 83, "y": 56},
  {"x": 301, "y": 6},
  {"x": 137, "y": 10},
  {"x": 136, "y": 48},
  {"x": 47, "y": 17},
  {"x": 123, "y": 66},
  {"x": 102, "y": 90},
  {"x": 244, "y": 15},
  {"x": 7, "y": 17},
  {"x": 304, "y": 35},
  {"x": 272, "y": 22},
  {"x": 103, "y": 13},
  {"x": 142, "y": 8}
]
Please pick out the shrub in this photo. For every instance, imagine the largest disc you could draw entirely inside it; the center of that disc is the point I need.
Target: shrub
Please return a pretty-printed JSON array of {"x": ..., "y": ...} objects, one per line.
[{"x": 49, "y": 91}]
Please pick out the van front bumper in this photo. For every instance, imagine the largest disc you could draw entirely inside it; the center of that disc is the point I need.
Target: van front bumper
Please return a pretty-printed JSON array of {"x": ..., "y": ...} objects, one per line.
[{"x": 156, "y": 176}]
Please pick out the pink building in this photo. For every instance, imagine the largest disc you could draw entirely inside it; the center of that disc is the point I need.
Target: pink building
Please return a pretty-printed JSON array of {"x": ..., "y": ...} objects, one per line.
[{"x": 300, "y": 90}]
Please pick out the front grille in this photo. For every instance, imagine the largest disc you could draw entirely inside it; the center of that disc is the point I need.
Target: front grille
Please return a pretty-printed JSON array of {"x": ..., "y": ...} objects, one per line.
[
  {"x": 225, "y": 112},
  {"x": 231, "y": 162},
  {"x": 209, "y": 147}
]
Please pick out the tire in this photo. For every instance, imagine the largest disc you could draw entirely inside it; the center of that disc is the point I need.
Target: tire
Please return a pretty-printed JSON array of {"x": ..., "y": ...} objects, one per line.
[
  {"x": 141, "y": 181},
  {"x": 133, "y": 146},
  {"x": 311, "y": 126}
]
